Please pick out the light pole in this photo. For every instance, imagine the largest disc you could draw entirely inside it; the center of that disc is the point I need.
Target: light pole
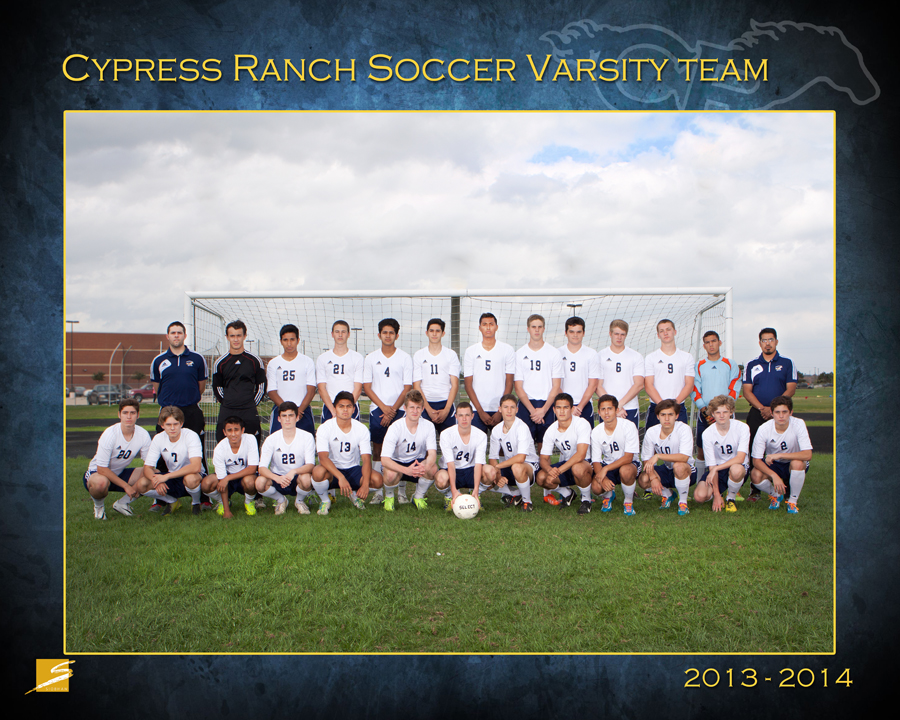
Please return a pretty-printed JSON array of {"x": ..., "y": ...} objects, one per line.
[
  {"x": 72, "y": 324},
  {"x": 573, "y": 306},
  {"x": 356, "y": 339}
]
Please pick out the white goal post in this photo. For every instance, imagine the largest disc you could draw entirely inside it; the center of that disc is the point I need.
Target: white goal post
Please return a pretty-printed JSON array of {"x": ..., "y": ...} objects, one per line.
[{"x": 694, "y": 310}]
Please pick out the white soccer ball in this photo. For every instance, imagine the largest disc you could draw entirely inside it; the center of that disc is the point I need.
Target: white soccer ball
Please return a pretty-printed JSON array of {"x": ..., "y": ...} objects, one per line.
[{"x": 466, "y": 506}]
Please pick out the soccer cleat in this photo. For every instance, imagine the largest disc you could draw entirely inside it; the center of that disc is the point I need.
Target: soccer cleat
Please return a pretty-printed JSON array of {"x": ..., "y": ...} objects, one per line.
[
  {"x": 206, "y": 505},
  {"x": 171, "y": 507},
  {"x": 302, "y": 507},
  {"x": 281, "y": 507},
  {"x": 220, "y": 509},
  {"x": 157, "y": 506},
  {"x": 566, "y": 501},
  {"x": 250, "y": 508},
  {"x": 195, "y": 509},
  {"x": 358, "y": 504},
  {"x": 259, "y": 503},
  {"x": 377, "y": 499},
  {"x": 647, "y": 495},
  {"x": 754, "y": 495},
  {"x": 448, "y": 504},
  {"x": 667, "y": 502},
  {"x": 730, "y": 506},
  {"x": 323, "y": 508},
  {"x": 389, "y": 504},
  {"x": 99, "y": 512},
  {"x": 122, "y": 507},
  {"x": 402, "y": 499},
  {"x": 775, "y": 502},
  {"x": 527, "y": 507},
  {"x": 792, "y": 508},
  {"x": 606, "y": 505},
  {"x": 629, "y": 509},
  {"x": 511, "y": 500},
  {"x": 683, "y": 509},
  {"x": 551, "y": 499},
  {"x": 585, "y": 507},
  {"x": 420, "y": 503}
]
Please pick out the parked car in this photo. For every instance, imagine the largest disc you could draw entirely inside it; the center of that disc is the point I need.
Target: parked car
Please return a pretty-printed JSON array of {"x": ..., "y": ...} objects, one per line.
[
  {"x": 107, "y": 394},
  {"x": 78, "y": 390},
  {"x": 144, "y": 392}
]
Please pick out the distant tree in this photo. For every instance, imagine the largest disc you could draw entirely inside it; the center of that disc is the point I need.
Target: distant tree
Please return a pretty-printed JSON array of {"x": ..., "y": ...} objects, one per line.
[
  {"x": 825, "y": 377},
  {"x": 800, "y": 376},
  {"x": 741, "y": 369},
  {"x": 98, "y": 376},
  {"x": 138, "y": 376}
]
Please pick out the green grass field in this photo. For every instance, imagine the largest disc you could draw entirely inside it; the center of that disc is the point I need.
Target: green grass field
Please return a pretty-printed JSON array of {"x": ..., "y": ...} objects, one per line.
[{"x": 506, "y": 582}]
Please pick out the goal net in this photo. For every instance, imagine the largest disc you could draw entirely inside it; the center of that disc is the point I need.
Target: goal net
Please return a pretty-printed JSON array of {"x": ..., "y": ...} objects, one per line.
[{"x": 693, "y": 310}]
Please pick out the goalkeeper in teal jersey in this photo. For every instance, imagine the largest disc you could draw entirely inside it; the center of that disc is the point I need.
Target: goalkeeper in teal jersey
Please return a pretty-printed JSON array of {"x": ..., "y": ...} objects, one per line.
[{"x": 714, "y": 375}]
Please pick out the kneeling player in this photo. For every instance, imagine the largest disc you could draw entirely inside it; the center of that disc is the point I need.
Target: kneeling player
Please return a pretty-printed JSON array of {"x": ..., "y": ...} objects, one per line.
[
  {"x": 726, "y": 444},
  {"x": 286, "y": 462},
  {"x": 342, "y": 443},
  {"x": 118, "y": 446},
  {"x": 614, "y": 444},
  {"x": 571, "y": 436},
  {"x": 463, "y": 449},
  {"x": 520, "y": 463},
  {"x": 672, "y": 442},
  {"x": 409, "y": 452},
  {"x": 781, "y": 454},
  {"x": 236, "y": 461},
  {"x": 182, "y": 452}
]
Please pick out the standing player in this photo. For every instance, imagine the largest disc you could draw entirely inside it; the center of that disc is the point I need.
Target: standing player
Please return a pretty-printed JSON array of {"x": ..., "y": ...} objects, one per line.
[
  {"x": 286, "y": 462},
  {"x": 239, "y": 383},
  {"x": 571, "y": 436},
  {"x": 668, "y": 374},
  {"x": 714, "y": 376},
  {"x": 342, "y": 443},
  {"x": 409, "y": 452},
  {"x": 291, "y": 376},
  {"x": 538, "y": 378},
  {"x": 581, "y": 370},
  {"x": 119, "y": 445},
  {"x": 463, "y": 450},
  {"x": 520, "y": 461},
  {"x": 622, "y": 373},
  {"x": 614, "y": 445},
  {"x": 781, "y": 454},
  {"x": 182, "y": 453},
  {"x": 727, "y": 445},
  {"x": 387, "y": 377},
  {"x": 670, "y": 440},
  {"x": 339, "y": 370},
  {"x": 436, "y": 376},
  {"x": 765, "y": 378},
  {"x": 488, "y": 374},
  {"x": 236, "y": 463}
]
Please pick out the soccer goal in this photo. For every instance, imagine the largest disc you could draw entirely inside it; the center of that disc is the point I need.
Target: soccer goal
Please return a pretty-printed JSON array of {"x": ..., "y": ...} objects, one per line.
[{"x": 693, "y": 310}]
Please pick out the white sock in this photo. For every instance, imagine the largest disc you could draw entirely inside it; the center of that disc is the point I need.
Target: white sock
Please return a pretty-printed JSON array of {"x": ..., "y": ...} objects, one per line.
[
  {"x": 249, "y": 499},
  {"x": 215, "y": 495},
  {"x": 547, "y": 491},
  {"x": 401, "y": 489},
  {"x": 127, "y": 499},
  {"x": 422, "y": 486},
  {"x": 195, "y": 494},
  {"x": 525, "y": 489},
  {"x": 162, "y": 498},
  {"x": 733, "y": 488},
  {"x": 683, "y": 486},
  {"x": 389, "y": 490},
  {"x": 629, "y": 492},
  {"x": 99, "y": 503},
  {"x": 798, "y": 477},
  {"x": 377, "y": 465},
  {"x": 585, "y": 493},
  {"x": 765, "y": 486},
  {"x": 321, "y": 488},
  {"x": 701, "y": 467},
  {"x": 505, "y": 490},
  {"x": 274, "y": 494},
  {"x": 564, "y": 491},
  {"x": 303, "y": 494}
]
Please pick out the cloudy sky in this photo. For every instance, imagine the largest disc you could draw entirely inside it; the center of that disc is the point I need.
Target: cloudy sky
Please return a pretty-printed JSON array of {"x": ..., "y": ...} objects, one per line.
[{"x": 160, "y": 203}]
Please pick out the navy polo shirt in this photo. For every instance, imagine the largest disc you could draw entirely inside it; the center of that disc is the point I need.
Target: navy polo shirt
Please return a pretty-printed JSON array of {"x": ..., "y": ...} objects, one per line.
[
  {"x": 769, "y": 378},
  {"x": 178, "y": 377}
]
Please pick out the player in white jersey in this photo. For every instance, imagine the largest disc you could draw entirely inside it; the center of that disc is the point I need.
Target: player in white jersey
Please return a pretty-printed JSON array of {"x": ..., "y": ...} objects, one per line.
[
  {"x": 119, "y": 445},
  {"x": 286, "y": 462},
  {"x": 339, "y": 370},
  {"x": 463, "y": 452},
  {"x": 622, "y": 372},
  {"x": 436, "y": 376},
  {"x": 489, "y": 369},
  {"x": 342, "y": 443},
  {"x": 182, "y": 452},
  {"x": 291, "y": 376},
  {"x": 668, "y": 374},
  {"x": 614, "y": 450},
  {"x": 538, "y": 378},
  {"x": 581, "y": 370},
  {"x": 726, "y": 447},
  {"x": 571, "y": 436},
  {"x": 236, "y": 463},
  {"x": 409, "y": 453},
  {"x": 781, "y": 454},
  {"x": 672, "y": 442},
  {"x": 520, "y": 461}
]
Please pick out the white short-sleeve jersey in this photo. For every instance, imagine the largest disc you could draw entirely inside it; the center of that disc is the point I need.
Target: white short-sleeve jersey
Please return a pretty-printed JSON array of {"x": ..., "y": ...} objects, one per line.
[
  {"x": 434, "y": 372},
  {"x": 669, "y": 371},
  {"x": 463, "y": 454},
  {"x": 515, "y": 441},
  {"x": 488, "y": 370},
  {"x": 291, "y": 379},
  {"x": 606, "y": 448},
  {"x": 280, "y": 456},
  {"x": 339, "y": 372},
  {"x": 617, "y": 373},
  {"x": 345, "y": 449},
  {"x": 388, "y": 375},
  {"x": 578, "y": 369},
  {"x": 537, "y": 369},
  {"x": 718, "y": 448},
  {"x": 115, "y": 452},
  {"x": 176, "y": 454},
  {"x": 404, "y": 446},
  {"x": 228, "y": 463},
  {"x": 679, "y": 442},
  {"x": 567, "y": 441},
  {"x": 769, "y": 441}
]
